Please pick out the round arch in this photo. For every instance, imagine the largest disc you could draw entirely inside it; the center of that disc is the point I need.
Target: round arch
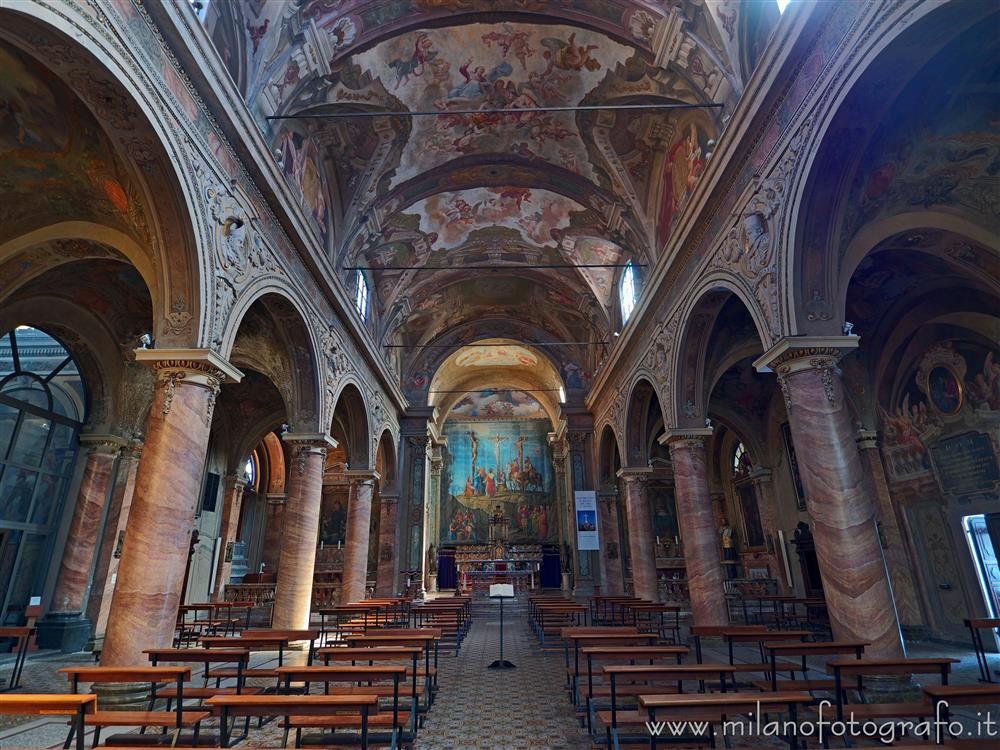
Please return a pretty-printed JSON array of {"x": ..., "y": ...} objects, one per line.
[
  {"x": 351, "y": 412},
  {"x": 642, "y": 395}
]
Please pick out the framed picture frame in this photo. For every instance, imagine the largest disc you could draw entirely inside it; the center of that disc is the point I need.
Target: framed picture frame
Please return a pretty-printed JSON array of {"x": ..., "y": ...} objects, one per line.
[
  {"x": 793, "y": 466},
  {"x": 945, "y": 390}
]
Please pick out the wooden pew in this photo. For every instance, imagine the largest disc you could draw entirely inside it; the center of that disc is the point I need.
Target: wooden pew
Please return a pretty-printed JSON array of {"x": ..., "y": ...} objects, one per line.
[
  {"x": 178, "y": 719},
  {"x": 861, "y": 668},
  {"x": 383, "y": 680},
  {"x": 805, "y": 650},
  {"x": 78, "y": 706},
  {"x": 22, "y": 637},
  {"x": 355, "y": 709},
  {"x": 596, "y": 655},
  {"x": 421, "y": 680},
  {"x": 975, "y": 626},
  {"x": 718, "y": 707}
]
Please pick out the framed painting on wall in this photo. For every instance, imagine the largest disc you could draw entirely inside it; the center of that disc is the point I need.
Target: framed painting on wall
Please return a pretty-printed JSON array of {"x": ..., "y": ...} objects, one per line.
[{"x": 793, "y": 466}]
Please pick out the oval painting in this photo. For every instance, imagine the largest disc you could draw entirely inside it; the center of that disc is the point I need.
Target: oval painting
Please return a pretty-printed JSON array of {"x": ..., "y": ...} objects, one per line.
[{"x": 944, "y": 390}]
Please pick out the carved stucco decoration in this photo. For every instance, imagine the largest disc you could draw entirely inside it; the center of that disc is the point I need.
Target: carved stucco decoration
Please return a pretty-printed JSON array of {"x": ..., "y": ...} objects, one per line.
[{"x": 335, "y": 362}]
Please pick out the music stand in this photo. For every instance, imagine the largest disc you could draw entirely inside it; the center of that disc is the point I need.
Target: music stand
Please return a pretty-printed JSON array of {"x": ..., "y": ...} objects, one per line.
[{"x": 501, "y": 591}]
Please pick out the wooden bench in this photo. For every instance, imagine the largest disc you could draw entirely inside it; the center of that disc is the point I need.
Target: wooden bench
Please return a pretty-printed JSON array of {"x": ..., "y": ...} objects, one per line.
[
  {"x": 861, "y": 668},
  {"x": 630, "y": 681},
  {"x": 976, "y": 625},
  {"x": 22, "y": 637},
  {"x": 942, "y": 697},
  {"x": 716, "y": 708},
  {"x": 383, "y": 680},
  {"x": 595, "y": 655},
  {"x": 805, "y": 650},
  {"x": 77, "y": 706},
  {"x": 354, "y": 710},
  {"x": 409, "y": 655},
  {"x": 177, "y": 719}
]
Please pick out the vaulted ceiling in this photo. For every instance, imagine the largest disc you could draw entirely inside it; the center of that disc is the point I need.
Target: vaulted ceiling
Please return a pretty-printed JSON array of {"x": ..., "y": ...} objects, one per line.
[{"x": 531, "y": 194}]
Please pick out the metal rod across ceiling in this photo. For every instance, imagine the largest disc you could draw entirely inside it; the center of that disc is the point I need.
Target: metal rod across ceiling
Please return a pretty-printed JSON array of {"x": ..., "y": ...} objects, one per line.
[
  {"x": 532, "y": 267},
  {"x": 510, "y": 110},
  {"x": 484, "y": 346},
  {"x": 523, "y": 390}
]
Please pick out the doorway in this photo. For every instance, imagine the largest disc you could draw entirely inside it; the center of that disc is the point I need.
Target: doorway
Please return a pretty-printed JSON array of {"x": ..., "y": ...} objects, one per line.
[{"x": 982, "y": 532}]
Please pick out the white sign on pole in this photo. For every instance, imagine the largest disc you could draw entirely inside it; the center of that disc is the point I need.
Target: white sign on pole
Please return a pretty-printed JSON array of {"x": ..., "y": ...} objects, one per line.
[{"x": 586, "y": 520}]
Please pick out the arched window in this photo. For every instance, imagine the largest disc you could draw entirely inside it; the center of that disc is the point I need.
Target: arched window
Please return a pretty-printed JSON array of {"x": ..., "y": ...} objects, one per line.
[
  {"x": 361, "y": 298},
  {"x": 627, "y": 292},
  {"x": 742, "y": 465},
  {"x": 249, "y": 472},
  {"x": 42, "y": 406}
]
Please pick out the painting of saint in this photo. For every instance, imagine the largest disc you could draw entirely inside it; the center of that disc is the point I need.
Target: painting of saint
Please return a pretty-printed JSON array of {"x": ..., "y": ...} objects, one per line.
[
  {"x": 682, "y": 167},
  {"x": 944, "y": 390},
  {"x": 30, "y": 116}
]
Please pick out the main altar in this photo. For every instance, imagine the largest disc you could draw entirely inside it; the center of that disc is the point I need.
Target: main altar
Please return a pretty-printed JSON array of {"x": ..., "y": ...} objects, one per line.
[{"x": 480, "y": 565}]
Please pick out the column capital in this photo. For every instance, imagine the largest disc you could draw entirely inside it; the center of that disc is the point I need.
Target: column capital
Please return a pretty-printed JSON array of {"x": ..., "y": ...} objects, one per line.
[
  {"x": 634, "y": 473},
  {"x": 233, "y": 482},
  {"x": 195, "y": 363},
  {"x": 685, "y": 437},
  {"x": 867, "y": 439},
  {"x": 760, "y": 476},
  {"x": 310, "y": 440},
  {"x": 362, "y": 476},
  {"x": 794, "y": 353},
  {"x": 105, "y": 444}
]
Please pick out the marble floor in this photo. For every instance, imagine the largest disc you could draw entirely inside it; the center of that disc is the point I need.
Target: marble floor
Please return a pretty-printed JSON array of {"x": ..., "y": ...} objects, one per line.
[{"x": 476, "y": 708}]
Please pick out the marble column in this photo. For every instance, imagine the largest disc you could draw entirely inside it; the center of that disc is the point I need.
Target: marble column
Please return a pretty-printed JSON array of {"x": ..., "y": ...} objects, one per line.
[
  {"x": 388, "y": 553},
  {"x": 228, "y": 528},
  {"x": 612, "y": 579},
  {"x": 106, "y": 572},
  {"x": 697, "y": 525},
  {"x": 567, "y": 539},
  {"x": 581, "y": 476},
  {"x": 65, "y": 627},
  {"x": 840, "y": 502},
  {"x": 168, "y": 484},
  {"x": 300, "y": 530},
  {"x": 641, "y": 540},
  {"x": 432, "y": 518},
  {"x": 900, "y": 568},
  {"x": 359, "y": 517}
]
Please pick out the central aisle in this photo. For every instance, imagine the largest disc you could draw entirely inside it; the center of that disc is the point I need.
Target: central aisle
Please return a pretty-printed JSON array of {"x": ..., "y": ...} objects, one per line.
[{"x": 515, "y": 709}]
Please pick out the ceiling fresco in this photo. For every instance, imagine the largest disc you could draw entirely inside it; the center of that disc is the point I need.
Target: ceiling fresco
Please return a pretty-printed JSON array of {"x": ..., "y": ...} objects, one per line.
[
  {"x": 478, "y": 177},
  {"x": 498, "y": 404}
]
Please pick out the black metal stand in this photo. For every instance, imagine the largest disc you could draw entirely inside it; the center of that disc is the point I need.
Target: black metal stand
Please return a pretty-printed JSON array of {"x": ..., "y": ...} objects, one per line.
[{"x": 501, "y": 663}]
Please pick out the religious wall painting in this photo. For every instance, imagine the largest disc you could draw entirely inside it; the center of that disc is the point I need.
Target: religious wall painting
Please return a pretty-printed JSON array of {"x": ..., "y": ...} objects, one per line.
[
  {"x": 944, "y": 390},
  {"x": 661, "y": 501},
  {"x": 496, "y": 356},
  {"x": 487, "y": 67},
  {"x": 333, "y": 516},
  {"x": 299, "y": 160},
  {"x": 497, "y": 466},
  {"x": 683, "y": 164},
  {"x": 753, "y": 529}
]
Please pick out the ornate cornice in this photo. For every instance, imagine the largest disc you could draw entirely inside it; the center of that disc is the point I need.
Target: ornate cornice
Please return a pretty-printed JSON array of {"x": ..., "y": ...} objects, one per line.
[
  {"x": 194, "y": 362},
  {"x": 685, "y": 437},
  {"x": 105, "y": 444},
  {"x": 794, "y": 353}
]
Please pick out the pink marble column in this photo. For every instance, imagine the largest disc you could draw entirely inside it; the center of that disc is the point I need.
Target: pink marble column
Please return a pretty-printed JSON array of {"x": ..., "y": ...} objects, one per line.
[
  {"x": 81, "y": 543},
  {"x": 840, "y": 502},
  {"x": 904, "y": 584},
  {"x": 228, "y": 528},
  {"x": 612, "y": 583},
  {"x": 300, "y": 531},
  {"x": 168, "y": 483},
  {"x": 641, "y": 542},
  {"x": 106, "y": 573},
  {"x": 697, "y": 526},
  {"x": 359, "y": 515},
  {"x": 388, "y": 555}
]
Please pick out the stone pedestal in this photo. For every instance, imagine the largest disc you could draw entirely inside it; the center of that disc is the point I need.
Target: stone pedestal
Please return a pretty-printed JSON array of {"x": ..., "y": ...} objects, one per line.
[
  {"x": 66, "y": 627},
  {"x": 432, "y": 582},
  {"x": 697, "y": 525},
  {"x": 300, "y": 530},
  {"x": 641, "y": 542},
  {"x": 359, "y": 514},
  {"x": 858, "y": 595},
  {"x": 612, "y": 580},
  {"x": 231, "y": 504},
  {"x": 168, "y": 483}
]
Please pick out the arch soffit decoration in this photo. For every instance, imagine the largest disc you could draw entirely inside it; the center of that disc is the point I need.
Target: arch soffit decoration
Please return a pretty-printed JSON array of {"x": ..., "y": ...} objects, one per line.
[
  {"x": 807, "y": 311},
  {"x": 180, "y": 288}
]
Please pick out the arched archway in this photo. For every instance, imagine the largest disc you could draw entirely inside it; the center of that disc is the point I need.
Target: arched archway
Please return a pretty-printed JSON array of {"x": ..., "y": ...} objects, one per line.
[
  {"x": 611, "y": 516},
  {"x": 388, "y": 539}
]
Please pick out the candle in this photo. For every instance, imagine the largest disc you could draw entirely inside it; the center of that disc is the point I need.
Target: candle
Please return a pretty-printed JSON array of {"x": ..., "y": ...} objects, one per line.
[{"x": 657, "y": 541}]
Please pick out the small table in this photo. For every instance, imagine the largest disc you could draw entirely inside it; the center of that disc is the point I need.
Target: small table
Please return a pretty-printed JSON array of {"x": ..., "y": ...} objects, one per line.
[{"x": 31, "y": 704}]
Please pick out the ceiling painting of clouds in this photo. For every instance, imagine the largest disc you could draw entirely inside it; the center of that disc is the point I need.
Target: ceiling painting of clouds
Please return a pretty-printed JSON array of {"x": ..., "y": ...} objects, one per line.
[
  {"x": 536, "y": 214},
  {"x": 498, "y": 404},
  {"x": 493, "y": 66}
]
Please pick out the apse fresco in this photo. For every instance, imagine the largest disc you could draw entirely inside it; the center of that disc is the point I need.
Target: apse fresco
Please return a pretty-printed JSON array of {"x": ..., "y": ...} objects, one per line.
[
  {"x": 493, "y": 66},
  {"x": 495, "y": 462},
  {"x": 493, "y": 404},
  {"x": 536, "y": 214}
]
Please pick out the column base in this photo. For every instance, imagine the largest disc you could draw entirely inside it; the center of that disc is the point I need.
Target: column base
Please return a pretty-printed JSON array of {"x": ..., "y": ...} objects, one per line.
[
  {"x": 565, "y": 582},
  {"x": 67, "y": 632},
  {"x": 432, "y": 581}
]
